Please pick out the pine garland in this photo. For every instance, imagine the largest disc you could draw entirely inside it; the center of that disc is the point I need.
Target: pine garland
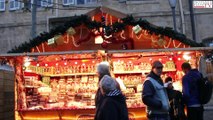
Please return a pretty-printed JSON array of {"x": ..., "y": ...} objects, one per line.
[{"x": 115, "y": 27}]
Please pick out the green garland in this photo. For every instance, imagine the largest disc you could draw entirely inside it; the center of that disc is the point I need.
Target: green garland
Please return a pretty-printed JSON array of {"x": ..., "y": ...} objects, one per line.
[{"x": 116, "y": 27}]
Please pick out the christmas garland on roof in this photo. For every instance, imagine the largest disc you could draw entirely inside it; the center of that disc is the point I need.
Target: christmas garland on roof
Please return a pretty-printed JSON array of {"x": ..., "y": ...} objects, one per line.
[{"x": 115, "y": 27}]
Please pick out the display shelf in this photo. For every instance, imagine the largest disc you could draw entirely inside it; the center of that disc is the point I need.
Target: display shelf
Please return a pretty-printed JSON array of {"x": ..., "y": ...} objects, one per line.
[
  {"x": 130, "y": 72},
  {"x": 73, "y": 74},
  {"x": 88, "y": 108},
  {"x": 50, "y": 109},
  {"x": 169, "y": 70},
  {"x": 142, "y": 71},
  {"x": 27, "y": 86},
  {"x": 135, "y": 113}
]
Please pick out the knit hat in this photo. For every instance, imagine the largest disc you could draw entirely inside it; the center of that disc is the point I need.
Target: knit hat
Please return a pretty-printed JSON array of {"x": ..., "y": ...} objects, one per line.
[
  {"x": 107, "y": 84},
  {"x": 103, "y": 67},
  {"x": 157, "y": 64}
]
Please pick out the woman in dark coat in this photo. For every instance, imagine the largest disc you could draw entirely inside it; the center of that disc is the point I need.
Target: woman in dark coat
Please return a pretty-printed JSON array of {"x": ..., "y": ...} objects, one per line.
[
  {"x": 113, "y": 103},
  {"x": 102, "y": 69}
]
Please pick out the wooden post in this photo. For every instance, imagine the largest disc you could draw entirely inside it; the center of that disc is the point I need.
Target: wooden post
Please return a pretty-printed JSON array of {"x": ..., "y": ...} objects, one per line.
[{"x": 7, "y": 95}]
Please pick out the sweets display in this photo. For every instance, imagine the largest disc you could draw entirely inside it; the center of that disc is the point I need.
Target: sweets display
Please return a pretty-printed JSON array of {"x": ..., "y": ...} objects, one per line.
[
  {"x": 69, "y": 92},
  {"x": 74, "y": 84}
]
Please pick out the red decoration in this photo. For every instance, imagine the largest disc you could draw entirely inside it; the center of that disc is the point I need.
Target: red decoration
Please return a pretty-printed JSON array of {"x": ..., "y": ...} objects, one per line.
[
  {"x": 104, "y": 45},
  {"x": 91, "y": 34}
]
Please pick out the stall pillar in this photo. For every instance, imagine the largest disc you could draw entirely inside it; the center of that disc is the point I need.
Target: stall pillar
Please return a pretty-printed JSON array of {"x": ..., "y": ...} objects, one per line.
[{"x": 7, "y": 95}]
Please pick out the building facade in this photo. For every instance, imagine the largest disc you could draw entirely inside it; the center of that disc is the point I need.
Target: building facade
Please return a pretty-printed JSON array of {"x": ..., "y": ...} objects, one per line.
[{"x": 16, "y": 16}]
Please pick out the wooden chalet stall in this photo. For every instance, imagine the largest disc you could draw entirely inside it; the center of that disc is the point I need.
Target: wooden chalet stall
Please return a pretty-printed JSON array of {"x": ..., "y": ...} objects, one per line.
[{"x": 56, "y": 75}]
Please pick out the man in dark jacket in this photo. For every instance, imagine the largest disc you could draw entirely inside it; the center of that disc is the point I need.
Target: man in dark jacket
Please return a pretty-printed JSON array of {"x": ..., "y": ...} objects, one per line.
[
  {"x": 113, "y": 104},
  {"x": 190, "y": 92},
  {"x": 154, "y": 94}
]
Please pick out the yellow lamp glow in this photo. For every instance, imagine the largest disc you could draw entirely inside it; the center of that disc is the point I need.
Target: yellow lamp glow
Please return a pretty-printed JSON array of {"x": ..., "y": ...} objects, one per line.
[
  {"x": 26, "y": 64},
  {"x": 186, "y": 57},
  {"x": 99, "y": 40}
]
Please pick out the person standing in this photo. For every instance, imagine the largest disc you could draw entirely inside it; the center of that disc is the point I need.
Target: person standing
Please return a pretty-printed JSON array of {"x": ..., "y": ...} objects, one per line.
[
  {"x": 113, "y": 104},
  {"x": 154, "y": 94},
  {"x": 103, "y": 68},
  {"x": 176, "y": 101},
  {"x": 191, "y": 93}
]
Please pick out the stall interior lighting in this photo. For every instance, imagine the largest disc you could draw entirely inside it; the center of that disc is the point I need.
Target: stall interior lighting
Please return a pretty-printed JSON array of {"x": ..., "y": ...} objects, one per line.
[
  {"x": 186, "y": 57},
  {"x": 99, "y": 40},
  {"x": 26, "y": 64}
]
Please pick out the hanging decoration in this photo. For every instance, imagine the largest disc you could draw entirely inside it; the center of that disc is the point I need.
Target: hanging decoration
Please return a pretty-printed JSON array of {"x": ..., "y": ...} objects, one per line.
[
  {"x": 109, "y": 29},
  {"x": 59, "y": 40},
  {"x": 51, "y": 42},
  {"x": 71, "y": 31},
  {"x": 161, "y": 42},
  {"x": 137, "y": 29},
  {"x": 104, "y": 45}
]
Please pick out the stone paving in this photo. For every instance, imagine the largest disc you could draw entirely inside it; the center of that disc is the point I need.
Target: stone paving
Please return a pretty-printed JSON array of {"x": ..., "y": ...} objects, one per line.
[
  {"x": 208, "y": 110},
  {"x": 208, "y": 114}
]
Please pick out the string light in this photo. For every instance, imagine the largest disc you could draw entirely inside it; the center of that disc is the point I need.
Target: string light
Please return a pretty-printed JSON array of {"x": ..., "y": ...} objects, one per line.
[
  {"x": 175, "y": 45},
  {"x": 26, "y": 64},
  {"x": 170, "y": 40},
  {"x": 122, "y": 34},
  {"x": 37, "y": 49},
  {"x": 43, "y": 48},
  {"x": 74, "y": 43}
]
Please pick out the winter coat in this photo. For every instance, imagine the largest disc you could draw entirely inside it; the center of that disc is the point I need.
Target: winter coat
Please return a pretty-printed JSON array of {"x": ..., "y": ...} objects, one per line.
[
  {"x": 176, "y": 104},
  {"x": 190, "y": 88},
  {"x": 149, "y": 95},
  {"x": 112, "y": 107}
]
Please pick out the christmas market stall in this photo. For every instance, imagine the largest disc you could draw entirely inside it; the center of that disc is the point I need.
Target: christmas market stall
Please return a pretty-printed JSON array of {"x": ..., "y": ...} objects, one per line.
[{"x": 55, "y": 73}]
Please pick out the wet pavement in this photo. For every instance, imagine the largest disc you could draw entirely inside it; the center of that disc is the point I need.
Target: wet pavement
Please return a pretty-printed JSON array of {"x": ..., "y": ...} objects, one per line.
[{"x": 208, "y": 110}]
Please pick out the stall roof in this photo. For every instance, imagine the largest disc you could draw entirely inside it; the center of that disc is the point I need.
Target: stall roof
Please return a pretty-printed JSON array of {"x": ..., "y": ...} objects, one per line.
[{"x": 120, "y": 29}]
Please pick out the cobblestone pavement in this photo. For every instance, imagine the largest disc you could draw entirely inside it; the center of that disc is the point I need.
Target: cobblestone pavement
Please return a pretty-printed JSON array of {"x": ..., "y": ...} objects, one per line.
[{"x": 208, "y": 110}]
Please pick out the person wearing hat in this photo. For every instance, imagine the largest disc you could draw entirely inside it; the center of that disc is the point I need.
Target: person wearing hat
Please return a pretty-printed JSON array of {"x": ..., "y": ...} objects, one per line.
[
  {"x": 176, "y": 101},
  {"x": 103, "y": 68},
  {"x": 113, "y": 104},
  {"x": 154, "y": 95}
]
